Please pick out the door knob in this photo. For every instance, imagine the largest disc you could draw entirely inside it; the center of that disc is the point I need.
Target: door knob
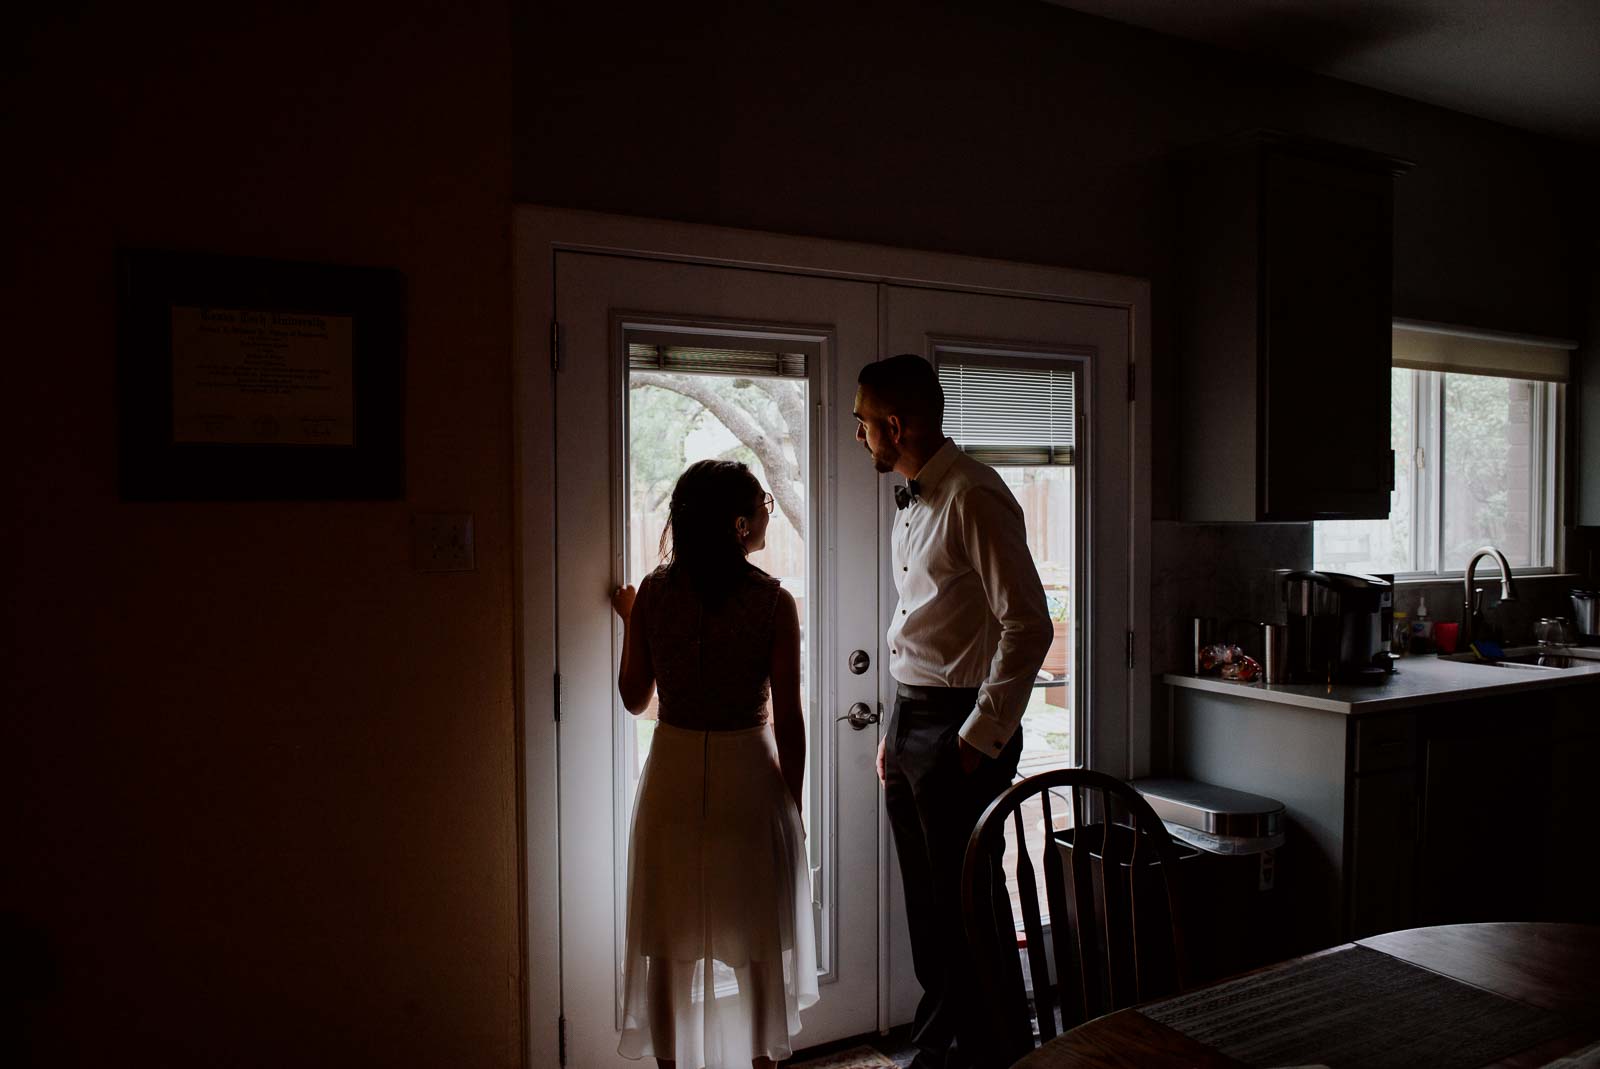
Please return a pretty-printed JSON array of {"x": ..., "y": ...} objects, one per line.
[
  {"x": 859, "y": 661},
  {"x": 861, "y": 716}
]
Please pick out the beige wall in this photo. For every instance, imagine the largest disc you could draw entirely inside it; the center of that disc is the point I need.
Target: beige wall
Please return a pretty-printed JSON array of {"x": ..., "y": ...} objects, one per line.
[{"x": 259, "y": 773}]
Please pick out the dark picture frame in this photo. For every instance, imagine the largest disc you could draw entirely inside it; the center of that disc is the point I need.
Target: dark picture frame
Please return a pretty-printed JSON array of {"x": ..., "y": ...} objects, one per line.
[{"x": 252, "y": 379}]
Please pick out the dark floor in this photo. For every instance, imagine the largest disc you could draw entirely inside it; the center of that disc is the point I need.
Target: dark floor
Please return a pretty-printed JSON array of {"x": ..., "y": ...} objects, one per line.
[{"x": 896, "y": 1044}]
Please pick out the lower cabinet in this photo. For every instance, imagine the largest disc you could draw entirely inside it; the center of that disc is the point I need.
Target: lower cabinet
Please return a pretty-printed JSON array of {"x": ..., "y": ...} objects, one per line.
[
  {"x": 1485, "y": 807},
  {"x": 1478, "y": 810},
  {"x": 1571, "y": 838},
  {"x": 1491, "y": 821},
  {"x": 1382, "y": 860}
]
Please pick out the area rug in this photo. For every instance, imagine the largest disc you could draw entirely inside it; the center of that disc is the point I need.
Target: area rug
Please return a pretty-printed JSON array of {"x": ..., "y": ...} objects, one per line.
[{"x": 854, "y": 1058}]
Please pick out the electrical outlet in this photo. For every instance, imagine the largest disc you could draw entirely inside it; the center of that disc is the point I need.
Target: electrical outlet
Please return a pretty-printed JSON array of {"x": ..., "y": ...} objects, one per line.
[{"x": 442, "y": 542}]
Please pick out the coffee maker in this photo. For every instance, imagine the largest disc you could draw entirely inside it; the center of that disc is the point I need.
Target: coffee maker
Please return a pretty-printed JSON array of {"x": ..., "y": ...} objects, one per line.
[{"x": 1336, "y": 627}]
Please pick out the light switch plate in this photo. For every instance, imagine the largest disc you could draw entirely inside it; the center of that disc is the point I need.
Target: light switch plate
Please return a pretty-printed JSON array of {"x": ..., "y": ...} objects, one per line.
[{"x": 442, "y": 542}]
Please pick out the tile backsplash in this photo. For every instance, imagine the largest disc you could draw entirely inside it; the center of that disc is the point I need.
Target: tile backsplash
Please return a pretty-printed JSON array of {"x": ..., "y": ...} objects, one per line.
[
  {"x": 1537, "y": 595},
  {"x": 1226, "y": 571},
  {"x": 1229, "y": 572}
]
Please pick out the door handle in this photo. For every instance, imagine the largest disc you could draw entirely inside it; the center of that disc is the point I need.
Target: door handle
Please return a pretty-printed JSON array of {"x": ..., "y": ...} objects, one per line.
[{"x": 861, "y": 716}]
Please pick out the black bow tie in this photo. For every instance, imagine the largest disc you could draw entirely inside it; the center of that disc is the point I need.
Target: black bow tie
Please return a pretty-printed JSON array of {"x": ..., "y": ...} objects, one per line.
[{"x": 904, "y": 495}]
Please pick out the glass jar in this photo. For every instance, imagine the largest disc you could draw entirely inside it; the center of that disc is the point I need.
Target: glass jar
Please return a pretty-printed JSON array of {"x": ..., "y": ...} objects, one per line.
[
  {"x": 1553, "y": 631},
  {"x": 1400, "y": 637}
]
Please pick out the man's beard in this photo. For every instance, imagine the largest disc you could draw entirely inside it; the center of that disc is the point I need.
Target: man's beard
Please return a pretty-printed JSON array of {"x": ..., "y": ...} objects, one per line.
[{"x": 881, "y": 466}]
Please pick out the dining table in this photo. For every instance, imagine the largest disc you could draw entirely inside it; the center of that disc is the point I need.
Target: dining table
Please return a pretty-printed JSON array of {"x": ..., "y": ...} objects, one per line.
[{"x": 1457, "y": 996}]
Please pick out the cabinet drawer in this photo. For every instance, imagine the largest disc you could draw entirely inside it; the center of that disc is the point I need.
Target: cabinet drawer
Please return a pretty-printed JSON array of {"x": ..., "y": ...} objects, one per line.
[{"x": 1384, "y": 742}]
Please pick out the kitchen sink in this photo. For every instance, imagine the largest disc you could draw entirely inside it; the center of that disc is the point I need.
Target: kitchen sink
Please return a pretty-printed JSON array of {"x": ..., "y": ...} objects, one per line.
[{"x": 1533, "y": 658}]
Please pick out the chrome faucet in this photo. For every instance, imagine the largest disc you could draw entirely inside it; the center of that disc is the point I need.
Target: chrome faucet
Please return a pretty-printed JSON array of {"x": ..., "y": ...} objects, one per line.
[{"x": 1508, "y": 592}]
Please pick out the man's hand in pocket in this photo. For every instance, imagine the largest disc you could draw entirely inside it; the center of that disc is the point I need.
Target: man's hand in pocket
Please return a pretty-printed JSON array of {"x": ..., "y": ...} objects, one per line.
[{"x": 971, "y": 756}]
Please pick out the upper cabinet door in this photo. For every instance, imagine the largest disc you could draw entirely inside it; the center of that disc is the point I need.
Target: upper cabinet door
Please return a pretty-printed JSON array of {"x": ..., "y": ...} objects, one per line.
[
  {"x": 1286, "y": 280},
  {"x": 1326, "y": 279},
  {"x": 1587, "y": 369}
]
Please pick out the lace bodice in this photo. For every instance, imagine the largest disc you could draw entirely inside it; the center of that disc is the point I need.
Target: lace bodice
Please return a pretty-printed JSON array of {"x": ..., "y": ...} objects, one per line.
[{"x": 712, "y": 665}]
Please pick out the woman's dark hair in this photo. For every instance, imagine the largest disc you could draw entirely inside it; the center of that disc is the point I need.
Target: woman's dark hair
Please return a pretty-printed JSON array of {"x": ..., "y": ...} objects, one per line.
[{"x": 700, "y": 541}]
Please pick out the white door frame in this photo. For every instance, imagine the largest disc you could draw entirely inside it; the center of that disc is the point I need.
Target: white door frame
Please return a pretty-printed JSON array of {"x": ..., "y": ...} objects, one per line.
[{"x": 1122, "y": 749}]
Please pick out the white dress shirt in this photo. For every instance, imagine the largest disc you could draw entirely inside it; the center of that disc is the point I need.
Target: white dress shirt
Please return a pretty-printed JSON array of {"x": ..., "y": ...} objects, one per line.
[{"x": 972, "y": 611}]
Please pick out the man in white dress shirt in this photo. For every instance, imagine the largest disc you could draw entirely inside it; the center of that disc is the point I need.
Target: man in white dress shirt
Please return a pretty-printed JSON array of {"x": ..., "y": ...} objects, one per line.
[{"x": 968, "y": 636}]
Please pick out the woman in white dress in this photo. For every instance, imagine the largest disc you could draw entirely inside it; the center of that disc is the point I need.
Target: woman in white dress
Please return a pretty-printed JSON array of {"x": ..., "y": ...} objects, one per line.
[{"x": 721, "y": 954}]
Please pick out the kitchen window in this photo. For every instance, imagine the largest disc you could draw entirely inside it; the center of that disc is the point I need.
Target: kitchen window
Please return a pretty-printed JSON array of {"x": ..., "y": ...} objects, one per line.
[{"x": 1474, "y": 424}]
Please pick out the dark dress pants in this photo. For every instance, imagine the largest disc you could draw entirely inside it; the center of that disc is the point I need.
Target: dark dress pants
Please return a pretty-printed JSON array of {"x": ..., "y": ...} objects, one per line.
[{"x": 933, "y": 807}]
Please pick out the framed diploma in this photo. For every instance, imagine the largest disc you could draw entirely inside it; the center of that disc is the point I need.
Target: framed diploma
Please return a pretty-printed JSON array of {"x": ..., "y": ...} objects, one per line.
[{"x": 259, "y": 379}]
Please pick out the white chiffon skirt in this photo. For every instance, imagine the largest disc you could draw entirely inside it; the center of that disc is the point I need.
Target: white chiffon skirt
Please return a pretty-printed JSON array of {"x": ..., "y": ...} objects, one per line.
[{"x": 721, "y": 953}]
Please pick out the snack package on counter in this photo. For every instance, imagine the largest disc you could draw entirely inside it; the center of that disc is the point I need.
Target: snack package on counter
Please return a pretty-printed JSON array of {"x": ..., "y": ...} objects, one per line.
[
  {"x": 1246, "y": 669},
  {"x": 1230, "y": 662}
]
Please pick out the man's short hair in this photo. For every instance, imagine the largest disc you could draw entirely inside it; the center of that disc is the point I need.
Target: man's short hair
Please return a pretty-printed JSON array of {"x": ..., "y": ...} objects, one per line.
[{"x": 908, "y": 386}]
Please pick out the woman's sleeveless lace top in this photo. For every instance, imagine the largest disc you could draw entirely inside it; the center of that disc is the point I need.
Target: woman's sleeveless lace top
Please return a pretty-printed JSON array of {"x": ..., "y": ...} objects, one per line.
[{"x": 712, "y": 664}]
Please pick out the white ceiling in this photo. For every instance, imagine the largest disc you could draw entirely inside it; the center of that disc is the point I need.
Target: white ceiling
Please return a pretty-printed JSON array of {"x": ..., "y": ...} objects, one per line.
[{"x": 1533, "y": 64}]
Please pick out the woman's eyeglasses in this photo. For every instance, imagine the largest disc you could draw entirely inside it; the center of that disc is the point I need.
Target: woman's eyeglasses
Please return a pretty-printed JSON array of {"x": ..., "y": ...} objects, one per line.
[{"x": 767, "y": 502}]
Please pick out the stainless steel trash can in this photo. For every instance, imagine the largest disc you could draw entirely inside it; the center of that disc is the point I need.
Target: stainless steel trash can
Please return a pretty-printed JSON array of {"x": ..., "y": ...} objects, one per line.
[{"x": 1233, "y": 917}]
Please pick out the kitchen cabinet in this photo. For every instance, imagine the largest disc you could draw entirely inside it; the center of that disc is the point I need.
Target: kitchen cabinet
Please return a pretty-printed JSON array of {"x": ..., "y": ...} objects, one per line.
[
  {"x": 1384, "y": 821},
  {"x": 1485, "y": 804},
  {"x": 1432, "y": 808},
  {"x": 1569, "y": 839},
  {"x": 1285, "y": 311},
  {"x": 1586, "y": 394}
]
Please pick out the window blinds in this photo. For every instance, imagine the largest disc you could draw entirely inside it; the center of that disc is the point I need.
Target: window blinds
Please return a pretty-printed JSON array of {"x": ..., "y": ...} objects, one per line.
[
  {"x": 704, "y": 360},
  {"x": 1434, "y": 347},
  {"x": 1009, "y": 414}
]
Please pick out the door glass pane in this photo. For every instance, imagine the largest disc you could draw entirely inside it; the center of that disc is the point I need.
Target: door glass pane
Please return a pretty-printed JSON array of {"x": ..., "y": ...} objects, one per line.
[
  {"x": 1047, "y": 495},
  {"x": 1490, "y": 473},
  {"x": 675, "y": 420},
  {"x": 1368, "y": 546},
  {"x": 1018, "y": 413}
]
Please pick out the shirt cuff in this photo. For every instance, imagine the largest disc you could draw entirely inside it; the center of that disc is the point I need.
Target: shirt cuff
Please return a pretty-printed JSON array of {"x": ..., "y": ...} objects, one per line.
[{"x": 985, "y": 734}]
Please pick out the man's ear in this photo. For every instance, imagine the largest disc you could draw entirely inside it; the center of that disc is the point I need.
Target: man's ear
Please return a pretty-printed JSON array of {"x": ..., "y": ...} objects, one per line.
[{"x": 895, "y": 428}]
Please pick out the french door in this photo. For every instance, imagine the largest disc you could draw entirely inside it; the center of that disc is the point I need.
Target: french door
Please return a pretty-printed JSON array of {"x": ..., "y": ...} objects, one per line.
[
  {"x": 1086, "y": 574},
  {"x": 663, "y": 363}
]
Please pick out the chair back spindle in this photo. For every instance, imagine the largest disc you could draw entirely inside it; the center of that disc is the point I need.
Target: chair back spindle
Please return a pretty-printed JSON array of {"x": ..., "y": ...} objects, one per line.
[{"x": 1110, "y": 922}]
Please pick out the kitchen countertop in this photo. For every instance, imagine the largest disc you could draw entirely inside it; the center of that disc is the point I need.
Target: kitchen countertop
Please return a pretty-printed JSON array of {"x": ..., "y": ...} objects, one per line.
[{"x": 1418, "y": 680}]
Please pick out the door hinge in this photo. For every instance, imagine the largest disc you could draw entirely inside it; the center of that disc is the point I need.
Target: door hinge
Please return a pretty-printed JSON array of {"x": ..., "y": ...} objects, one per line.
[
  {"x": 561, "y": 1040},
  {"x": 1133, "y": 374},
  {"x": 555, "y": 346},
  {"x": 1422, "y": 459},
  {"x": 1130, "y": 649},
  {"x": 558, "y": 697}
]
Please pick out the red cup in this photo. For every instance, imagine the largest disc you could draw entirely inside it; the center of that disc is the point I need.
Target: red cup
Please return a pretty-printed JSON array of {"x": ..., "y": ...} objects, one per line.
[{"x": 1444, "y": 636}]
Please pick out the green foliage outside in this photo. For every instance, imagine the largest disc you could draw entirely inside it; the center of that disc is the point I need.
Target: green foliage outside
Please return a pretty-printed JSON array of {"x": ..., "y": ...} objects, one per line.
[
  {"x": 765, "y": 417},
  {"x": 1481, "y": 422}
]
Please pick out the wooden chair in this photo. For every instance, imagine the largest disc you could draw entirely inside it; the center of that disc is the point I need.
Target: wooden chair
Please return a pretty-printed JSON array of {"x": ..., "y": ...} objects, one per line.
[{"x": 1112, "y": 908}]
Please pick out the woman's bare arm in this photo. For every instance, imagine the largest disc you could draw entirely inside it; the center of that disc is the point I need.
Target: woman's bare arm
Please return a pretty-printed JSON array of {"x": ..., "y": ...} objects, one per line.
[
  {"x": 636, "y": 678},
  {"x": 788, "y": 723}
]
